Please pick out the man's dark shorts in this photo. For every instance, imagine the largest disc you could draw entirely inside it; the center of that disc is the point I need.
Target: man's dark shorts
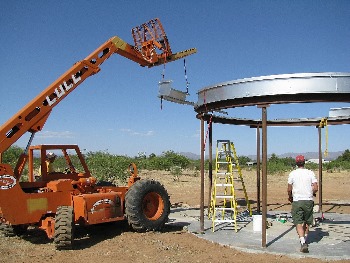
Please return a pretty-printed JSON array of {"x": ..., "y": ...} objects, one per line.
[{"x": 302, "y": 211}]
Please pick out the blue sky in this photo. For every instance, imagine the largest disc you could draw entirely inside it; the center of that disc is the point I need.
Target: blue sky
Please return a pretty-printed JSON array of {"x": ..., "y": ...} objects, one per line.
[{"x": 118, "y": 111}]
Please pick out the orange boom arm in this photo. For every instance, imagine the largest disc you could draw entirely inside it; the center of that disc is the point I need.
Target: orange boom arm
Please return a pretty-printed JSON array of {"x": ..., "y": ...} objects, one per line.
[{"x": 148, "y": 37}]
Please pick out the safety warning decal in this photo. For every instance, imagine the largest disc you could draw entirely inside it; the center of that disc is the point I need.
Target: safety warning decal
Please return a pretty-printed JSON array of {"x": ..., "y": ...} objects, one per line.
[
  {"x": 7, "y": 182},
  {"x": 101, "y": 202}
]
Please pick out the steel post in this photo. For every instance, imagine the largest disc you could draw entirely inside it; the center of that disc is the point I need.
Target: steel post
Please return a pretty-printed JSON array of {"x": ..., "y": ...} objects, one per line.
[
  {"x": 264, "y": 175},
  {"x": 210, "y": 127},
  {"x": 320, "y": 168},
  {"x": 202, "y": 179},
  {"x": 258, "y": 179}
]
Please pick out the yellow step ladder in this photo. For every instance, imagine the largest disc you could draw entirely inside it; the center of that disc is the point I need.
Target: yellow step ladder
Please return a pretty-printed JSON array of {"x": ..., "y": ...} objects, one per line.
[{"x": 229, "y": 200}]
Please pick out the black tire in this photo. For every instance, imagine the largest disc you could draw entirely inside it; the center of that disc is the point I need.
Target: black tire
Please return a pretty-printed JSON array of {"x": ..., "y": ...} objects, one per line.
[
  {"x": 64, "y": 228},
  {"x": 147, "y": 206},
  {"x": 11, "y": 231},
  {"x": 7, "y": 230}
]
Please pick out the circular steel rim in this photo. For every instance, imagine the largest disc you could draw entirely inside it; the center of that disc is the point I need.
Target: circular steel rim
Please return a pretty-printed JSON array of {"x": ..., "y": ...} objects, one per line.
[
  {"x": 275, "y": 89},
  {"x": 152, "y": 206}
]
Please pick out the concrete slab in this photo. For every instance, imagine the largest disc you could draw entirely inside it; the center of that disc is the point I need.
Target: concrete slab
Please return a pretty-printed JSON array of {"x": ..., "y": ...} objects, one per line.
[{"x": 329, "y": 239}]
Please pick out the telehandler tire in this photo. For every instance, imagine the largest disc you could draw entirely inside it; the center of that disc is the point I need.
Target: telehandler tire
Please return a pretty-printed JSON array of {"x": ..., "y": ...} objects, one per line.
[
  {"x": 64, "y": 228},
  {"x": 7, "y": 230},
  {"x": 12, "y": 231},
  {"x": 147, "y": 206}
]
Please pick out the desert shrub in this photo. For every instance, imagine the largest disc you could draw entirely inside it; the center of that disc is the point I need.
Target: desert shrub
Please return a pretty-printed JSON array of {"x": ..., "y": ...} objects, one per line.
[
  {"x": 157, "y": 163},
  {"x": 338, "y": 165},
  {"x": 345, "y": 157},
  {"x": 279, "y": 165},
  {"x": 11, "y": 155},
  {"x": 243, "y": 160},
  {"x": 341, "y": 163},
  {"x": 114, "y": 168},
  {"x": 165, "y": 161},
  {"x": 107, "y": 167},
  {"x": 312, "y": 166},
  {"x": 196, "y": 164},
  {"x": 176, "y": 159},
  {"x": 176, "y": 172}
]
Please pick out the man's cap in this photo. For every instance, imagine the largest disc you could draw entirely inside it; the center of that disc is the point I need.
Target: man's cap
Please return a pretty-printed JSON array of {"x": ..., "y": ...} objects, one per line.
[
  {"x": 300, "y": 159},
  {"x": 50, "y": 155}
]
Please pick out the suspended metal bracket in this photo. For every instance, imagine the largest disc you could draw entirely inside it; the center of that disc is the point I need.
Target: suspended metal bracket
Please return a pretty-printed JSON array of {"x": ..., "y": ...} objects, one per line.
[
  {"x": 339, "y": 112},
  {"x": 166, "y": 92}
]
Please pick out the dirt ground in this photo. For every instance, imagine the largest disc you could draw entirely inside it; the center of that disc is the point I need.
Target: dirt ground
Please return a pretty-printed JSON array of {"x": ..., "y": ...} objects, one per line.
[{"x": 115, "y": 243}]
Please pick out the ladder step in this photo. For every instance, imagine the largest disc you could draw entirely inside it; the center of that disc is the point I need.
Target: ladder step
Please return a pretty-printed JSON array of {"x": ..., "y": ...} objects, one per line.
[
  {"x": 224, "y": 208},
  {"x": 225, "y": 196},
  {"x": 223, "y": 184},
  {"x": 223, "y": 173},
  {"x": 224, "y": 220},
  {"x": 224, "y": 151}
]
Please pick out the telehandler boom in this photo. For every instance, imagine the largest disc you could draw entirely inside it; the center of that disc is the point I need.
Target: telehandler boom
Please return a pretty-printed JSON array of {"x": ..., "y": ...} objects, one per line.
[{"x": 57, "y": 202}]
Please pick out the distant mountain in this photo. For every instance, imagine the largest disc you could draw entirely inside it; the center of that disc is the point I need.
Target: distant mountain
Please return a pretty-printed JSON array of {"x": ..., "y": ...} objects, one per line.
[
  {"x": 191, "y": 156},
  {"x": 308, "y": 155}
]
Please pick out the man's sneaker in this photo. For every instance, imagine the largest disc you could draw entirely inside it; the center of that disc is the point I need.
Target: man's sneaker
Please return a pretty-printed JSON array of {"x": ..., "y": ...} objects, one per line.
[{"x": 304, "y": 248}]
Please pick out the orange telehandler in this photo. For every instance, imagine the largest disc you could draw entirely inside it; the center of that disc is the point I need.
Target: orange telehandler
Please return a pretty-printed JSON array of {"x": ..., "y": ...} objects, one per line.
[{"x": 58, "y": 202}]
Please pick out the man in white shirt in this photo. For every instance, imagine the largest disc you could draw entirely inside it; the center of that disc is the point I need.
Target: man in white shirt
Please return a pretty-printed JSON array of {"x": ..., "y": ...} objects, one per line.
[{"x": 302, "y": 187}]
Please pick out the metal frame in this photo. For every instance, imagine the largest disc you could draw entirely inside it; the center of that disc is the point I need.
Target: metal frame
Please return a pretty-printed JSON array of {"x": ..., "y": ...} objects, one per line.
[{"x": 261, "y": 92}]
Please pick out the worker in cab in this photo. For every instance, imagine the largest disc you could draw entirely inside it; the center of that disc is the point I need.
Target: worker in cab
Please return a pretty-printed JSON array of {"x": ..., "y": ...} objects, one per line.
[{"x": 50, "y": 158}]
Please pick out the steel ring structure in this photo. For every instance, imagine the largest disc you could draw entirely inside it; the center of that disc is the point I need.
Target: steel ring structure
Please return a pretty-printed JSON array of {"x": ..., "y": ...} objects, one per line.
[
  {"x": 275, "y": 89},
  {"x": 263, "y": 91}
]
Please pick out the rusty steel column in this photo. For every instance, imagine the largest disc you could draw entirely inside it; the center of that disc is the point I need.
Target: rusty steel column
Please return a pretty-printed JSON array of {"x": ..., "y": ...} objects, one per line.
[
  {"x": 264, "y": 175},
  {"x": 201, "y": 218},
  {"x": 210, "y": 127},
  {"x": 258, "y": 179},
  {"x": 320, "y": 168}
]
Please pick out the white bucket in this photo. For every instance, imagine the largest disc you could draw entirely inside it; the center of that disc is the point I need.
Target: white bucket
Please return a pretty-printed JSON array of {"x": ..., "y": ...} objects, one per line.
[{"x": 257, "y": 223}]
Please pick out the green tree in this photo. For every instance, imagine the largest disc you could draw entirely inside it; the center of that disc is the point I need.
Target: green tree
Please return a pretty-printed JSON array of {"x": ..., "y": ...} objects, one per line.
[
  {"x": 243, "y": 160},
  {"x": 152, "y": 155},
  {"x": 11, "y": 155},
  {"x": 278, "y": 165},
  {"x": 176, "y": 159},
  {"x": 342, "y": 162},
  {"x": 108, "y": 167},
  {"x": 345, "y": 156}
]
